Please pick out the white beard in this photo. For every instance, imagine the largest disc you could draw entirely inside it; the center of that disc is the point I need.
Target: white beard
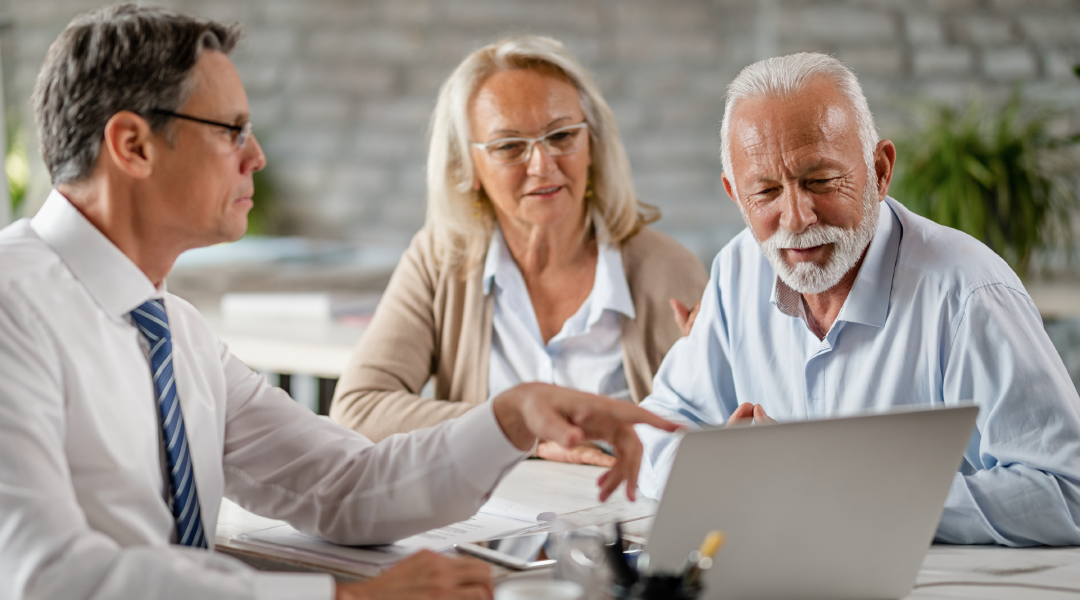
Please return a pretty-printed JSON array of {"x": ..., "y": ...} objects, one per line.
[{"x": 848, "y": 246}]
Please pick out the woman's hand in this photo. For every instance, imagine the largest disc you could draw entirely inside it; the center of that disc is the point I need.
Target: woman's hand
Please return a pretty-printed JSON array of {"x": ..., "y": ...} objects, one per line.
[
  {"x": 423, "y": 576},
  {"x": 586, "y": 454},
  {"x": 684, "y": 317}
]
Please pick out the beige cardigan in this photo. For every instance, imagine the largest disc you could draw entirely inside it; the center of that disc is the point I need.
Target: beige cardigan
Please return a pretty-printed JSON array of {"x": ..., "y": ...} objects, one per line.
[{"x": 431, "y": 321}]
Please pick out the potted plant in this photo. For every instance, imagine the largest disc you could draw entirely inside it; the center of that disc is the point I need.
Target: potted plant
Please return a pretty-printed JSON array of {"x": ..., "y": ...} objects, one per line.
[{"x": 996, "y": 174}]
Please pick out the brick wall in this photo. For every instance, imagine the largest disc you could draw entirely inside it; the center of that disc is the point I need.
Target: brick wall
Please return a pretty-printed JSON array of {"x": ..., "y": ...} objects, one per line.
[{"x": 341, "y": 90}]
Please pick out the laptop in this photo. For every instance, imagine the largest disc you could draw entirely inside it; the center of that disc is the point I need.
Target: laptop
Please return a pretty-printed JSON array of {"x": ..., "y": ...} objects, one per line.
[{"x": 837, "y": 508}]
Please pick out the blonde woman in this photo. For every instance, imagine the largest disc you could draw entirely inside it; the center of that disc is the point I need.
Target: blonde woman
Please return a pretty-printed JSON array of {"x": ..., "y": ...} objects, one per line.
[{"x": 535, "y": 262}]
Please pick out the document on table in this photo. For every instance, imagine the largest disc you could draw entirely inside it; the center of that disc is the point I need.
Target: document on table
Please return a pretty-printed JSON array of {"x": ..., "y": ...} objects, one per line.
[{"x": 499, "y": 517}]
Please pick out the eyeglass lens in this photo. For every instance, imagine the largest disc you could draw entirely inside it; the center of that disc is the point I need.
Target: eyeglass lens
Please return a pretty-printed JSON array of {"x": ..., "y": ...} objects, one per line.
[
  {"x": 557, "y": 143},
  {"x": 243, "y": 135}
]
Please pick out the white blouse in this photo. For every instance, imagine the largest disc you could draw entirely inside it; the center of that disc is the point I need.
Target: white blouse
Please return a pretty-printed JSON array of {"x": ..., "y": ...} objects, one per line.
[{"x": 585, "y": 355}]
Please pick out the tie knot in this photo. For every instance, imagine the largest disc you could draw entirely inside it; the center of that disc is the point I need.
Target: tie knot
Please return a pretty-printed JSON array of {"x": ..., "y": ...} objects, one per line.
[{"x": 151, "y": 319}]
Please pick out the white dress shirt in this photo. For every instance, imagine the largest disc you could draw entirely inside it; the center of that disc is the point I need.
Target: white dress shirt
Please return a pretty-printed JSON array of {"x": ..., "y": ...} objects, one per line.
[
  {"x": 82, "y": 513},
  {"x": 934, "y": 318},
  {"x": 585, "y": 355}
]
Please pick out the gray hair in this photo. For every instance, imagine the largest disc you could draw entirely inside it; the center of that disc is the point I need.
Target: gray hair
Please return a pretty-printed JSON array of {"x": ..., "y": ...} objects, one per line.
[
  {"x": 786, "y": 76},
  {"x": 122, "y": 57},
  {"x": 462, "y": 219}
]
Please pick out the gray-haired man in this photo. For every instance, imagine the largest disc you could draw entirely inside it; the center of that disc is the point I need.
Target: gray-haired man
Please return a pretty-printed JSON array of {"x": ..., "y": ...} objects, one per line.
[
  {"x": 837, "y": 300},
  {"x": 124, "y": 419}
]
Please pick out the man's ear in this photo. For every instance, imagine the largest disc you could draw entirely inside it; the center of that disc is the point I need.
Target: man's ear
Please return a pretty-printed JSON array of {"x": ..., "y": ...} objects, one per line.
[
  {"x": 729, "y": 188},
  {"x": 130, "y": 145},
  {"x": 884, "y": 161}
]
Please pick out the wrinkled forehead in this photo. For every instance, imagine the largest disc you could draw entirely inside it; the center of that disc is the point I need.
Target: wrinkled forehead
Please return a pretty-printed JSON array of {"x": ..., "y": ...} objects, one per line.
[{"x": 801, "y": 129}]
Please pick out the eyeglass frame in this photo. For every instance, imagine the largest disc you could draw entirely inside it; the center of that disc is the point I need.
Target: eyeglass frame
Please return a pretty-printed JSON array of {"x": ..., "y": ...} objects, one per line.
[
  {"x": 532, "y": 143},
  {"x": 243, "y": 131}
]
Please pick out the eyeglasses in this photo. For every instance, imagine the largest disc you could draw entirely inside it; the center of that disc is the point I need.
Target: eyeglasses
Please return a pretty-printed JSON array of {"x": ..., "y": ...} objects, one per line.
[
  {"x": 241, "y": 132},
  {"x": 514, "y": 150}
]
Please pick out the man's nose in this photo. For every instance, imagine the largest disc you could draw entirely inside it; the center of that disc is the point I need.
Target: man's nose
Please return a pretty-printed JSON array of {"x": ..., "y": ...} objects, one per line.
[
  {"x": 540, "y": 162},
  {"x": 797, "y": 210},
  {"x": 254, "y": 159}
]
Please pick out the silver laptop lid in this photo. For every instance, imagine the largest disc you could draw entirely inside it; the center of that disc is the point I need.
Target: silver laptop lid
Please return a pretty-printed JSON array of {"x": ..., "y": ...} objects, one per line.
[{"x": 837, "y": 508}]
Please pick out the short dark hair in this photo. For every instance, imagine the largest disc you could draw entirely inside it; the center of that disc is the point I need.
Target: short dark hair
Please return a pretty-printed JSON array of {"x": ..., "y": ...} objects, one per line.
[{"x": 122, "y": 57}]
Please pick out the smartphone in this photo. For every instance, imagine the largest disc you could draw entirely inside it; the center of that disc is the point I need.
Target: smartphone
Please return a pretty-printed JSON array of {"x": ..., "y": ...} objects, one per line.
[{"x": 521, "y": 552}]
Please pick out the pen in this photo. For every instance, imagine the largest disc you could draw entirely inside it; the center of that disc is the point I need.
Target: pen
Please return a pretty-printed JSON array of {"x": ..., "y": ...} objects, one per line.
[
  {"x": 624, "y": 575},
  {"x": 703, "y": 561}
]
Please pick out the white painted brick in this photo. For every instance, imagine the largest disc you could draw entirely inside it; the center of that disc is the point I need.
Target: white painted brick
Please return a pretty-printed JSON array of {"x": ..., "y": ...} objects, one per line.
[
  {"x": 951, "y": 92},
  {"x": 1060, "y": 63},
  {"x": 226, "y": 12},
  {"x": 389, "y": 45},
  {"x": 389, "y": 147},
  {"x": 405, "y": 115},
  {"x": 267, "y": 113},
  {"x": 319, "y": 12},
  {"x": 943, "y": 61},
  {"x": 1051, "y": 28},
  {"x": 953, "y": 6},
  {"x": 270, "y": 43},
  {"x": 406, "y": 212},
  {"x": 303, "y": 143},
  {"x": 260, "y": 77},
  {"x": 34, "y": 41},
  {"x": 837, "y": 25},
  {"x": 565, "y": 14},
  {"x": 984, "y": 30},
  {"x": 338, "y": 86},
  {"x": 700, "y": 146},
  {"x": 653, "y": 16},
  {"x": 359, "y": 79},
  {"x": 923, "y": 29},
  {"x": 679, "y": 49},
  {"x": 1010, "y": 64},
  {"x": 320, "y": 109},
  {"x": 874, "y": 61},
  {"x": 365, "y": 179},
  {"x": 412, "y": 12}
]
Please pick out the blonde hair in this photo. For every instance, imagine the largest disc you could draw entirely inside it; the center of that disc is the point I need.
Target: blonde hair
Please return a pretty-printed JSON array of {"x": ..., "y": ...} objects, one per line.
[{"x": 462, "y": 219}]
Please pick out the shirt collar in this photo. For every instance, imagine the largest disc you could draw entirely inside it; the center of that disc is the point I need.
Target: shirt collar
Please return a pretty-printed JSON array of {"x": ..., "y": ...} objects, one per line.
[
  {"x": 868, "y": 300},
  {"x": 115, "y": 283},
  {"x": 610, "y": 289}
]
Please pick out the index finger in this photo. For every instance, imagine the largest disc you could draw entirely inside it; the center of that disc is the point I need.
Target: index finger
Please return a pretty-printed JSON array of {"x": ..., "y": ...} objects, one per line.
[{"x": 630, "y": 413}]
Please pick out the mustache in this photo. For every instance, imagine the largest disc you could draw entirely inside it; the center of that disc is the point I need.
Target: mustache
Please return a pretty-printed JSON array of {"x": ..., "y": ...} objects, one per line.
[{"x": 813, "y": 236}]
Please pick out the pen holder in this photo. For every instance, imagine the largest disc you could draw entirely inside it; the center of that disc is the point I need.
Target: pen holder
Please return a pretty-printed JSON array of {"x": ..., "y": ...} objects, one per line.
[
  {"x": 658, "y": 586},
  {"x": 634, "y": 580}
]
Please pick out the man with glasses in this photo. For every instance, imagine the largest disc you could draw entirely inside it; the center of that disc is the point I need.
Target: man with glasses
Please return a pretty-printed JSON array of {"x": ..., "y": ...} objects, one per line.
[{"x": 124, "y": 420}]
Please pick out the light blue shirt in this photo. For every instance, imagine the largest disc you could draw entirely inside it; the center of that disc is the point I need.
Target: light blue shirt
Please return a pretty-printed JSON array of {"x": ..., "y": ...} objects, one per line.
[
  {"x": 586, "y": 354},
  {"x": 934, "y": 318}
]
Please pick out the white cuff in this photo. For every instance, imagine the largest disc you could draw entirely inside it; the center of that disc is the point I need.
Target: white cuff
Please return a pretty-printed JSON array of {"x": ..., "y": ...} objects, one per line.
[
  {"x": 294, "y": 586},
  {"x": 481, "y": 448}
]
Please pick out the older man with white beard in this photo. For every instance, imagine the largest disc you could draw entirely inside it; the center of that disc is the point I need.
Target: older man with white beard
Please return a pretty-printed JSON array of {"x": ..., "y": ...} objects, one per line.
[{"x": 838, "y": 300}]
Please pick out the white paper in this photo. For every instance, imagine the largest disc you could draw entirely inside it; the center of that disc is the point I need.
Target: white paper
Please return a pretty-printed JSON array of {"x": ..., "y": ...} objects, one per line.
[
  {"x": 285, "y": 540},
  {"x": 481, "y": 526},
  {"x": 497, "y": 518},
  {"x": 516, "y": 510}
]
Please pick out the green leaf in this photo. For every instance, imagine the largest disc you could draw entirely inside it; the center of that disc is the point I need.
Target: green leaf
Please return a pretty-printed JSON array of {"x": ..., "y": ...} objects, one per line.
[{"x": 982, "y": 171}]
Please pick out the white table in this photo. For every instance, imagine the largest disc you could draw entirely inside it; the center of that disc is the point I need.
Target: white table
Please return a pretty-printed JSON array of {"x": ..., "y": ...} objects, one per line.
[{"x": 570, "y": 490}]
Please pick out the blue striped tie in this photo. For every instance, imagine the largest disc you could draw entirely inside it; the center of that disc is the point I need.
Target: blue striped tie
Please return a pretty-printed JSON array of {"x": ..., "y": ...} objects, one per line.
[{"x": 154, "y": 324}]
